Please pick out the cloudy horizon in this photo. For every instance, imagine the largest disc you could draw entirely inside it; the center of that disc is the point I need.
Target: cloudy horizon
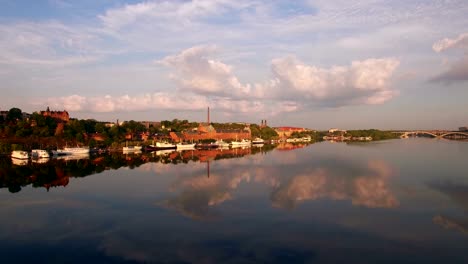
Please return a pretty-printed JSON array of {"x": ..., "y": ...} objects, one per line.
[{"x": 312, "y": 63}]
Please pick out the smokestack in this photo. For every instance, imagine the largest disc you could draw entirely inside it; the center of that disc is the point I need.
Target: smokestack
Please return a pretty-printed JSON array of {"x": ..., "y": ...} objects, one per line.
[{"x": 208, "y": 115}]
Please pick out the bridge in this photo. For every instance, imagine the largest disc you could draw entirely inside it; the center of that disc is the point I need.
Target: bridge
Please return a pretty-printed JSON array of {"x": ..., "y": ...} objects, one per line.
[{"x": 435, "y": 134}]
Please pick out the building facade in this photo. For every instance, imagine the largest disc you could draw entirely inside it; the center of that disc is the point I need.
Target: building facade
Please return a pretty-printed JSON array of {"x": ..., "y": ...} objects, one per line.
[
  {"x": 61, "y": 116},
  {"x": 204, "y": 132},
  {"x": 285, "y": 132}
]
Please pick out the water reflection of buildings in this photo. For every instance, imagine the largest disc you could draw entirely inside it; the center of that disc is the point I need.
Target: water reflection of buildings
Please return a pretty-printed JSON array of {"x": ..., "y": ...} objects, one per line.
[
  {"x": 61, "y": 179},
  {"x": 291, "y": 146},
  {"x": 45, "y": 172},
  {"x": 202, "y": 155}
]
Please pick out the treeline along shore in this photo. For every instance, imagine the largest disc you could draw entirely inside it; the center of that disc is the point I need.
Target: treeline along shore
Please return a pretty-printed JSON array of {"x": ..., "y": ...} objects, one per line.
[{"x": 55, "y": 129}]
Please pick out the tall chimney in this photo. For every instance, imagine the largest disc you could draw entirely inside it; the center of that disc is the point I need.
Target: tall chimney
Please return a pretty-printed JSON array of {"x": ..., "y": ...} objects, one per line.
[{"x": 208, "y": 115}]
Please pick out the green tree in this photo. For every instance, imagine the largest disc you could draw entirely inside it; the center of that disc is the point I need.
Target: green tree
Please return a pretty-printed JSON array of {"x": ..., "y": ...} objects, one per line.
[
  {"x": 268, "y": 133},
  {"x": 100, "y": 127},
  {"x": 14, "y": 114}
]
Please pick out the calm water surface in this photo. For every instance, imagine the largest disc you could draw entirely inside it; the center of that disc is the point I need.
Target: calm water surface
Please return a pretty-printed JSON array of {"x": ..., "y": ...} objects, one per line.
[{"x": 398, "y": 201}]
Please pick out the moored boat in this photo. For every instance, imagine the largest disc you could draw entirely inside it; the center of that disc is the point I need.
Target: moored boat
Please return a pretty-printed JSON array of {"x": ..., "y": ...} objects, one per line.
[
  {"x": 131, "y": 148},
  {"x": 39, "y": 153},
  {"x": 243, "y": 142},
  {"x": 71, "y": 151},
  {"x": 160, "y": 145},
  {"x": 258, "y": 141},
  {"x": 221, "y": 144},
  {"x": 182, "y": 146},
  {"x": 20, "y": 154}
]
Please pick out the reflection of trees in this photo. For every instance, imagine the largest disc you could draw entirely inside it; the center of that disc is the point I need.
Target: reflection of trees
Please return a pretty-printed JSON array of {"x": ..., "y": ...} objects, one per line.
[
  {"x": 364, "y": 185},
  {"x": 56, "y": 172}
]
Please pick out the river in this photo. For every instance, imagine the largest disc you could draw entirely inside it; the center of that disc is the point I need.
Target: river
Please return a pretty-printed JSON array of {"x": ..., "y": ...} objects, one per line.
[{"x": 396, "y": 201}]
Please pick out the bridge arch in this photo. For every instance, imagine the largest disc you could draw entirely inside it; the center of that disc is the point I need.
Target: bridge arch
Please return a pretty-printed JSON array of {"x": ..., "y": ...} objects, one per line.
[
  {"x": 445, "y": 134},
  {"x": 465, "y": 134},
  {"x": 406, "y": 134}
]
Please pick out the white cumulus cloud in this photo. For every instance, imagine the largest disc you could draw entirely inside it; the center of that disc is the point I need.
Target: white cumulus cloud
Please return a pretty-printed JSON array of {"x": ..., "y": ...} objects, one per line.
[
  {"x": 164, "y": 101},
  {"x": 196, "y": 71},
  {"x": 363, "y": 82}
]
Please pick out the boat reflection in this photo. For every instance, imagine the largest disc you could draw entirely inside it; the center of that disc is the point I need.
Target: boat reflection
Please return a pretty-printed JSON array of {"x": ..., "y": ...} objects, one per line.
[
  {"x": 19, "y": 162},
  {"x": 42, "y": 172},
  {"x": 40, "y": 160},
  {"x": 76, "y": 156}
]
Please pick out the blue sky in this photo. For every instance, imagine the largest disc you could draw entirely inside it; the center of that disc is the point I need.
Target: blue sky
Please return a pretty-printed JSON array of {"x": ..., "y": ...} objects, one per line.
[{"x": 316, "y": 63}]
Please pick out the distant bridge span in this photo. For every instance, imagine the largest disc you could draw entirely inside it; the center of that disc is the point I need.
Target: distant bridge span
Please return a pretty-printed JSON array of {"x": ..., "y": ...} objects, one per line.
[{"x": 435, "y": 134}]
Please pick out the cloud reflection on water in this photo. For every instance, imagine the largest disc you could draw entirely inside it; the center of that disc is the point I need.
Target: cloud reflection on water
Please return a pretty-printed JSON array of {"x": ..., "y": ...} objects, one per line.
[
  {"x": 368, "y": 187},
  {"x": 362, "y": 184}
]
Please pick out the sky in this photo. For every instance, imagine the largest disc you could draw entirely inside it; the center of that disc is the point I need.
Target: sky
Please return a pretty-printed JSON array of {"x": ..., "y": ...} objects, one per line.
[{"x": 385, "y": 64}]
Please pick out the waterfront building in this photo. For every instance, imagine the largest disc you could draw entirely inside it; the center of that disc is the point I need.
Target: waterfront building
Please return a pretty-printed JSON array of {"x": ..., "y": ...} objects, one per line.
[
  {"x": 60, "y": 116},
  {"x": 333, "y": 130},
  {"x": 207, "y": 131},
  {"x": 285, "y": 132}
]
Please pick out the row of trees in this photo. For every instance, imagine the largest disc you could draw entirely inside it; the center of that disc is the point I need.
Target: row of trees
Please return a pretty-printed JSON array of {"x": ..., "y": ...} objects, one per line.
[
  {"x": 374, "y": 133},
  {"x": 36, "y": 130},
  {"x": 266, "y": 133}
]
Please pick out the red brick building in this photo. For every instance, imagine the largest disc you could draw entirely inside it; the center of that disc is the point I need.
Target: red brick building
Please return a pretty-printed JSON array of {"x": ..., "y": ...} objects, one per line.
[
  {"x": 284, "y": 132},
  {"x": 209, "y": 132},
  {"x": 61, "y": 116}
]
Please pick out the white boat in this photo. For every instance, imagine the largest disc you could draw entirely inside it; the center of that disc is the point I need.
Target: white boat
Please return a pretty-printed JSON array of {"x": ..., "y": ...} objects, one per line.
[
  {"x": 131, "y": 148},
  {"x": 240, "y": 146},
  {"x": 132, "y": 151},
  {"x": 258, "y": 141},
  {"x": 20, "y": 154},
  {"x": 165, "y": 145},
  {"x": 70, "y": 151},
  {"x": 182, "y": 146},
  {"x": 221, "y": 144},
  {"x": 39, "y": 153},
  {"x": 243, "y": 142}
]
